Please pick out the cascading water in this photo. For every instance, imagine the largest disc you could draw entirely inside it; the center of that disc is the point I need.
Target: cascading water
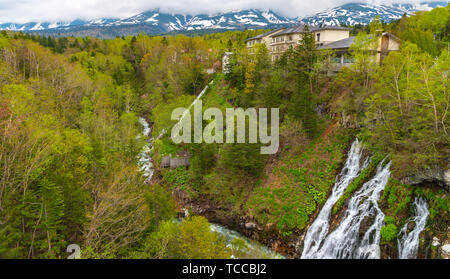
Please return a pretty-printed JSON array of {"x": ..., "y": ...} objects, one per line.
[
  {"x": 408, "y": 243},
  {"x": 319, "y": 228},
  {"x": 144, "y": 159},
  {"x": 344, "y": 241}
]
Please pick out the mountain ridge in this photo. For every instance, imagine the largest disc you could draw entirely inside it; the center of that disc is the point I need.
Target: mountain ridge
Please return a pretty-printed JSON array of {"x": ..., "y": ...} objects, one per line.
[{"x": 155, "y": 22}]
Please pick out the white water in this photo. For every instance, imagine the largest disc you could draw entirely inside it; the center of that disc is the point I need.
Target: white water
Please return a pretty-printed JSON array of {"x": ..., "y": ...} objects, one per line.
[
  {"x": 248, "y": 248},
  {"x": 344, "y": 241},
  {"x": 252, "y": 249},
  {"x": 408, "y": 243},
  {"x": 319, "y": 228},
  {"x": 144, "y": 158}
]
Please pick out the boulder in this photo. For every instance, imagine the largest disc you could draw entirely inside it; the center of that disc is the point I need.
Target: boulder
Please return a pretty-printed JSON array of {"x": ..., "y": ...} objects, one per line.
[
  {"x": 250, "y": 226},
  {"x": 436, "y": 241},
  {"x": 411, "y": 225},
  {"x": 445, "y": 251}
]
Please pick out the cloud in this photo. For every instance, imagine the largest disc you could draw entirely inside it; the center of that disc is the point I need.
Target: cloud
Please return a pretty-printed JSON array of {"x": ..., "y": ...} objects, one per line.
[{"x": 21, "y": 11}]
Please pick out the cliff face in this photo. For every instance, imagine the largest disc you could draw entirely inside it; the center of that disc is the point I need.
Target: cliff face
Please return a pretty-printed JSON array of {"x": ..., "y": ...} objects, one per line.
[{"x": 435, "y": 175}]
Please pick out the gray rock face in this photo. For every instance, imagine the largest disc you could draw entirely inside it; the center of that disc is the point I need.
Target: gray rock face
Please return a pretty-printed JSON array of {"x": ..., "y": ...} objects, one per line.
[
  {"x": 447, "y": 177},
  {"x": 348, "y": 120},
  {"x": 434, "y": 175}
]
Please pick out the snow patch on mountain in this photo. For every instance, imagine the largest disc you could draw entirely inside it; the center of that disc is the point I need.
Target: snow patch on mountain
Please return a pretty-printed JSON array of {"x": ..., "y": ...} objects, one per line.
[
  {"x": 157, "y": 22},
  {"x": 363, "y": 13}
]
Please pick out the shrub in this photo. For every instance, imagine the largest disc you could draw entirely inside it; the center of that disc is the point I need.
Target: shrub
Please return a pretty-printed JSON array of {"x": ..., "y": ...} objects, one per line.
[{"x": 389, "y": 232}]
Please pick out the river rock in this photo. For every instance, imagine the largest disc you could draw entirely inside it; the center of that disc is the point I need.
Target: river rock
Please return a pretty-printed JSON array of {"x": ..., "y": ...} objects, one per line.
[
  {"x": 436, "y": 241},
  {"x": 250, "y": 226},
  {"x": 185, "y": 212},
  {"x": 445, "y": 251},
  {"x": 411, "y": 225}
]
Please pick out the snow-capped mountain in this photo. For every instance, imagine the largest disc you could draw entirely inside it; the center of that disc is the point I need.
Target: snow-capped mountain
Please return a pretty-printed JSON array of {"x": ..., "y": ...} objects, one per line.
[
  {"x": 163, "y": 22},
  {"x": 156, "y": 22},
  {"x": 238, "y": 19},
  {"x": 363, "y": 13}
]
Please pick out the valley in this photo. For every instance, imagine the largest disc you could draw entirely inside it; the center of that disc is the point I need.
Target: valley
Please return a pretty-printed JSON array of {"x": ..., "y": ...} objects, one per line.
[{"x": 361, "y": 170}]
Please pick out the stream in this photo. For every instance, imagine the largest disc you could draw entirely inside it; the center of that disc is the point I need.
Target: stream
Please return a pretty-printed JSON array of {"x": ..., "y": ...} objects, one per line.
[
  {"x": 145, "y": 161},
  {"x": 346, "y": 240},
  {"x": 408, "y": 243},
  {"x": 244, "y": 247},
  {"x": 241, "y": 246}
]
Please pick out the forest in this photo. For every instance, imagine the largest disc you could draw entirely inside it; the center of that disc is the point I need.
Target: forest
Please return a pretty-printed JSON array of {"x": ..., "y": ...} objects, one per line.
[{"x": 70, "y": 138}]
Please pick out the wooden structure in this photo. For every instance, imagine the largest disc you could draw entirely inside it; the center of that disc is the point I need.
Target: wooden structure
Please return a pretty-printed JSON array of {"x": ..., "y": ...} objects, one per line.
[{"x": 173, "y": 163}]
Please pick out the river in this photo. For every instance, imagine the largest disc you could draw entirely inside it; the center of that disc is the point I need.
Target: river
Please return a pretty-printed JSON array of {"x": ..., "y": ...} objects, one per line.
[{"x": 345, "y": 241}]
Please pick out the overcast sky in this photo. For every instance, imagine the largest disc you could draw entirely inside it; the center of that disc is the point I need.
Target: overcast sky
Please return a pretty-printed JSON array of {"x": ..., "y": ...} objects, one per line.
[{"x": 54, "y": 10}]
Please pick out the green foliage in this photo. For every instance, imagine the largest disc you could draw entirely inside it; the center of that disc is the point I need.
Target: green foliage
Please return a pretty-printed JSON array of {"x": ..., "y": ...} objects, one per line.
[
  {"x": 397, "y": 196},
  {"x": 177, "y": 178},
  {"x": 428, "y": 30},
  {"x": 305, "y": 179},
  {"x": 388, "y": 232},
  {"x": 190, "y": 239},
  {"x": 407, "y": 113},
  {"x": 160, "y": 204},
  {"x": 69, "y": 140},
  {"x": 303, "y": 75}
]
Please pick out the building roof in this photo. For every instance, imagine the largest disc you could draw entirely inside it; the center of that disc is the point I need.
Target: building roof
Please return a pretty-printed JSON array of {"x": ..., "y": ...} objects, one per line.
[
  {"x": 390, "y": 35},
  {"x": 330, "y": 28},
  {"x": 299, "y": 29},
  {"x": 260, "y": 36},
  {"x": 292, "y": 30},
  {"x": 344, "y": 43}
]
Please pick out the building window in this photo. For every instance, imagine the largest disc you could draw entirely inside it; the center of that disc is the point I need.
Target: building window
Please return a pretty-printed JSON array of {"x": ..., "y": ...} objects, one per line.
[
  {"x": 349, "y": 59},
  {"x": 318, "y": 37},
  {"x": 336, "y": 59}
]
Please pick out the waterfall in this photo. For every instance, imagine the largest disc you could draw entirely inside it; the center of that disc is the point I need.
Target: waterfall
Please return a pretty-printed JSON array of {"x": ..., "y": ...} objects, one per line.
[
  {"x": 408, "y": 243},
  {"x": 319, "y": 228},
  {"x": 344, "y": 241},
  {"x": 144, "y": 158}
]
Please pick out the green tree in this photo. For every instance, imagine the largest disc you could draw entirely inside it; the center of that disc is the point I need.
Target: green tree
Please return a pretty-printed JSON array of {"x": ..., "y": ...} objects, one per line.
[{"x": 303, "y": 74}]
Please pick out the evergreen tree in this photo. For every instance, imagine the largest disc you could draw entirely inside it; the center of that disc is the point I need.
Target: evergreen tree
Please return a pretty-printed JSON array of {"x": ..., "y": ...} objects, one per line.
[{"x": 303, "y": 74}]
